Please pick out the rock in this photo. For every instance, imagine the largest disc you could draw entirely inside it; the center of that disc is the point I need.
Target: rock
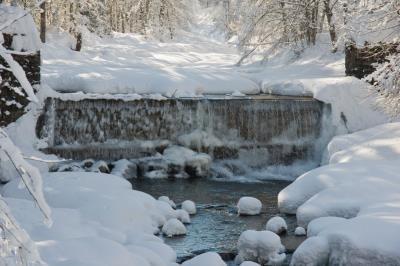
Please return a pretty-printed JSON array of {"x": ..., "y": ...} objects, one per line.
[
  {"x": 264, "y": 247},
  {"x": 125, "y": 168},
  {"x": 198, "y": 165},
  {"x": 249, "y": 206},
  {"x": 277, "y": 225},
  {"x": 102, "y": 167},
  {"x": 88, "y": 163},
  {"x": 174, "y": 227},
  {"x": 189, "y": 206},
  {"x": 300, "y": 231}
]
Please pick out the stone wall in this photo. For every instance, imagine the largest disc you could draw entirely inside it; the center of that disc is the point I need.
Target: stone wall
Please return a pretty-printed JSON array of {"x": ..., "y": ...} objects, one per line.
[
  {"x": 12, "y": 105},
  {"x": 360, "y": 61}
]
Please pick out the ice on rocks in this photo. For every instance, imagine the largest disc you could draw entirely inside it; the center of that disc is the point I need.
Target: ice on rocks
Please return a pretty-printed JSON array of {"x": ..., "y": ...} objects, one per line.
[
  {"x": 249, "y": 206},
  {"x": 264, "y": 247},
  {"x": 189, "y": 206},
  {"x": 300, "y": 231},
  {"x": 206, "y": 259},
  {"x": 168, "y": 200},
  {"x": 277, "y": 225},
  {"x": 174, "y": 227}
]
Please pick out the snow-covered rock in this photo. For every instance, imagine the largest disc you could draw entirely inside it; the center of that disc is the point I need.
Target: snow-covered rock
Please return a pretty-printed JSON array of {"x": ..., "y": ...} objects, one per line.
[
  {"x": 264, "y": 247},
  {"x": 249, "y": 206},
  {"x": 277, "y": 225},
  {"x": 189, "y": 206},
  {"x": 174, "y": 227},
  {"x": 167, "y": 200},
  {"x": 249, "y": 263},
  {"x": 206, "y": 259},
  {"x": 300, "y": 231},
  {"x": 183, "y": 216}
]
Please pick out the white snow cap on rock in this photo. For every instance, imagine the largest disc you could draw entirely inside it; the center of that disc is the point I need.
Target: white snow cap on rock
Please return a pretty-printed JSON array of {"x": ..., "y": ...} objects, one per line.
[
  {"x": 206, "y": 259},
  {"x": 189, "y": 206},
  {"x": 167, "y": 200},
  {"x": 312, "y": 252},
  {"x": 174, "y": 227},
  {"x": 264, "y": 247},
  {"x": 249, "y": 263},
  {"x": 300, "y": 231},
  {"x": 183, "y": 216},
  {"x": 249, "y": 206},
  {"x": 277, "y": 225}
]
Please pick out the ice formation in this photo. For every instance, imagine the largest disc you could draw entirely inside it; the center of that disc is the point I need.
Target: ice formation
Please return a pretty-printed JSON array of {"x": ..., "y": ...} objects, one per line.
[
  {"x": 277, "y": 225},
  {"x": 174, "y": 227}
]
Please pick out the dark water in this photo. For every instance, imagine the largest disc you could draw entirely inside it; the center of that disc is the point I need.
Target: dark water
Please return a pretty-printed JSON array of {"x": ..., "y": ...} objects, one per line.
[{"x": 216, "y": 226}]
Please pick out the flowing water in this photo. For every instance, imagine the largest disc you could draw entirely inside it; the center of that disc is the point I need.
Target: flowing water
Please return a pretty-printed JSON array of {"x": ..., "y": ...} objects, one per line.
[{"x": 216, "y": 226}]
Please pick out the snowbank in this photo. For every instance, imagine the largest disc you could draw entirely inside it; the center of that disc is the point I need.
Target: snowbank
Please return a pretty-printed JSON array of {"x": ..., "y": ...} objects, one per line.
[
  {"x": 97, "y": 218},
  {"x": 357, "y": 197}
]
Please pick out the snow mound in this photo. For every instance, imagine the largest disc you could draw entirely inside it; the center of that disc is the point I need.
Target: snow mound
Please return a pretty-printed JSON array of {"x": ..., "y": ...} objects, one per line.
[
  {"x": 209, "y": 259},
  {"x": 351, "y": 206},
  {"x": 300, "y": 231},
  {"x": 263, "y": 247},
  {"x": 174, "y": 227},
  {"x": 189, "y": 206},
  {"x": 249, "y": 206},
  {"x": 277, "y": 225},
  {"x": 167, "y": 200}
]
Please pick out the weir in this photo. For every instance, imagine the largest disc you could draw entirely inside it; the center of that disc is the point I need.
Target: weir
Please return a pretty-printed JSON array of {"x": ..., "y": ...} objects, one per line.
[{"x": 264, "y": 130}]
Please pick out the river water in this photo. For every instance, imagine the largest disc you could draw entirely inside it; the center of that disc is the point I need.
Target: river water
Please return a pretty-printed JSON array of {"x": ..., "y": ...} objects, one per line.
[{"x": 216, "y": 226}]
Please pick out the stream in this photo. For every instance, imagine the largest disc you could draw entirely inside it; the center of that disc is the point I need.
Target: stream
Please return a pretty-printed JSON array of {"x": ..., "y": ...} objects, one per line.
[{"x": 216, "y": 226}]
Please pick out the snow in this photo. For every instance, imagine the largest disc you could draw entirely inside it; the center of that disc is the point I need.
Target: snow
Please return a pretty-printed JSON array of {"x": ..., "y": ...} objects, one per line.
[
  {"x": 350, "y": 206},
  {"x": 174, "y": 227},
  {"x": 189, "y": 206},
  {"x": 249, "y": 206},
  {"x": 209, "y": 259},
  {"x": 25, "y": 35},
  {"x": 263, "y": 247},
  {"x": 249, "y": 263},
  {"x": 168, "y": 200},
  {"x": 300, "y": 231},
  {"x": 277, "y": 225},
  {"x": 196, "y": 65},
  {"x": 183, "y": 216},
  {"x": 97, "y": 219}
]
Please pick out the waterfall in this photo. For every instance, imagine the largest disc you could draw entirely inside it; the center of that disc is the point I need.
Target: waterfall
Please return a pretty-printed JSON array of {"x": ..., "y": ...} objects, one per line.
[{"x": 262, "y": 130}]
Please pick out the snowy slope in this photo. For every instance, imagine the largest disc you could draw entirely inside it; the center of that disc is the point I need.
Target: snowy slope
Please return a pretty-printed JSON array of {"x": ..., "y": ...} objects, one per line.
[{"x": 361, "y": 184}]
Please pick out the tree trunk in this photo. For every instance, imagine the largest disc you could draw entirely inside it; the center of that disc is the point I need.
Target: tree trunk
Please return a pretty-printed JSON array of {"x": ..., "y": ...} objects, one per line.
[
  {"x": 332, "y": 29},
  {"x": 43, "y": 22}
]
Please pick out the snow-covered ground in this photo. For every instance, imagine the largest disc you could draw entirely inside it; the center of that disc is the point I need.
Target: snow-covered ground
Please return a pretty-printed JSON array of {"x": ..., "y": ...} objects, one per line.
[
  {"x": 361, "y": 184},
  {"x": 196, "y": 64}
]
